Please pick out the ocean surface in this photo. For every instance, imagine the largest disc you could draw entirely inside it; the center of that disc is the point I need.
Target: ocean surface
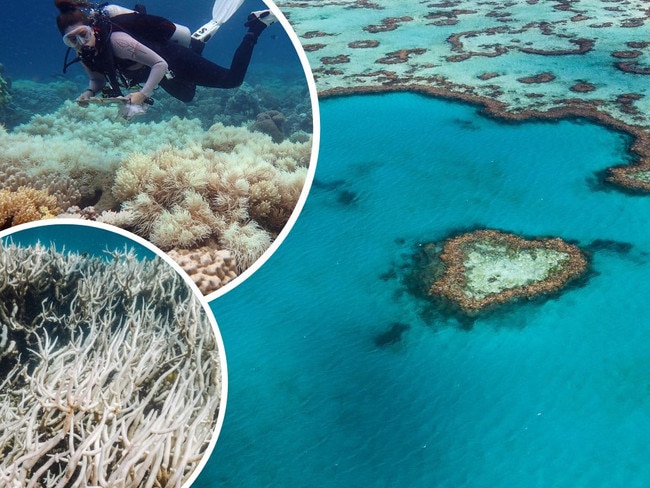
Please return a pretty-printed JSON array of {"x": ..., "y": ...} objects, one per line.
[{"x": 550, "y": 393}]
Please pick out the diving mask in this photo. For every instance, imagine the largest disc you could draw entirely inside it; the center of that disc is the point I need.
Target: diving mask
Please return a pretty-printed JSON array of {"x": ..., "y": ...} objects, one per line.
[{"x": 78, "y": 37}]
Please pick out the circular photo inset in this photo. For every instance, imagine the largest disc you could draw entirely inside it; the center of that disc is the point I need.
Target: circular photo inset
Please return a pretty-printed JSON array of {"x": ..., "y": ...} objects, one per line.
[
  {"x": 194, "y": 126},
  {"x": 112, "y": 371}
]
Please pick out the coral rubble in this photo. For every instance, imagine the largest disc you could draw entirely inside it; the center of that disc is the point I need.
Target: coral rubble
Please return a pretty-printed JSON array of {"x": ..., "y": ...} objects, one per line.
[
  {"x": 488, "y": 267},
  {"x": 110, "y": 371}
]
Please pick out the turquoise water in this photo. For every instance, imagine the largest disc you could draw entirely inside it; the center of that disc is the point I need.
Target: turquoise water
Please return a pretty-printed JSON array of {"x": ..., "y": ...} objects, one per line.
[
  {"x": 555, "y": 393},
  {"x": 81, "y": 239}
]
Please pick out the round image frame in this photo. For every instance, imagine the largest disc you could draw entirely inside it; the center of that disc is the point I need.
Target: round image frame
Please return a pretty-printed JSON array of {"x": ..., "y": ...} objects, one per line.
[{"x": 65, "y": 398}]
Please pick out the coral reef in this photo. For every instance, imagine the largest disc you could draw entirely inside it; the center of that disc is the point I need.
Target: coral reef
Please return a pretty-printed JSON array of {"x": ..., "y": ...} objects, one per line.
[
  {"x": 270, "y": 123},
  {"x": 466, "y": 33},
  {"x": 488, "y": 267},
  {"x": 26, "y": 205},
  {"x": 72, "y": 153},
  {"x": 242, "y": 105},
  {"x": 209, "y": 268},
  {"x": 110, "y": 371},
  {"x": 5, "y": 94},
  {"x": 173, "y": 181},
  {"x": 29, "y": 98},
  {"x": 235, "y": 187}
]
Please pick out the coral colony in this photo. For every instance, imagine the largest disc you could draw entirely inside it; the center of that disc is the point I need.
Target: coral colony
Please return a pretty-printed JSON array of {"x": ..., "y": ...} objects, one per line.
[
  {"x": 486, "y": 267},
  {"x": 216, "y": 204},
  {"x": 110, "y": 372}
]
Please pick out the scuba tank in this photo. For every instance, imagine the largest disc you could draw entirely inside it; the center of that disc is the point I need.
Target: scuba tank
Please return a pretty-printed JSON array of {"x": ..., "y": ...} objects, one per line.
[
  {"x": 144, "y": 27},
  {"x": 153, "y": 31}
]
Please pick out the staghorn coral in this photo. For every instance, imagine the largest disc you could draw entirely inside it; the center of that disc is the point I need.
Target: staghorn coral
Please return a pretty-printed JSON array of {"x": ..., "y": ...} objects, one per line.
[
  {"x": 26, "y": 205},
  {"x": 111, "y": 372},
  {"x": 235, "y": 188}
]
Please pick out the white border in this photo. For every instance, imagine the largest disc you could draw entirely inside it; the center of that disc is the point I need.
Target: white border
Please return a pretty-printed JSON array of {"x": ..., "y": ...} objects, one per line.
[
  {"x": 195, "y": 289},
  {"x": 313, "y": 95}
]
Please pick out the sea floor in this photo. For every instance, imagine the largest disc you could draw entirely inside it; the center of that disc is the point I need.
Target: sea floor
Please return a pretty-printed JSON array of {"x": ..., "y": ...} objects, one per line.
[{"x": 338, "y": 376}]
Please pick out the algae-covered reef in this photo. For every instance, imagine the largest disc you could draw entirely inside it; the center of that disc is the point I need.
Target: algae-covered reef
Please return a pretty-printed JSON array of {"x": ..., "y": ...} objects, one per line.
[{"x": 110, "y": 371}]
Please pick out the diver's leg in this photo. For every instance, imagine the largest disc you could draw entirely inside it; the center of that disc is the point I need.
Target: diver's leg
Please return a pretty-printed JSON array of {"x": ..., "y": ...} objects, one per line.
[
  {"x": 182, "y": 90},
  {"x": 189, "y": 66},
  {"x": 212, "y": 75}
]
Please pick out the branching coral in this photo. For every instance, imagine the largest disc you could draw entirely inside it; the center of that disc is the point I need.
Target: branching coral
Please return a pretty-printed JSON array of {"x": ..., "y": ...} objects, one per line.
[
  {"x": 111, "y": 373},
  {"x": 26, "y": 205},
  {"x": 236, "y": 187}
]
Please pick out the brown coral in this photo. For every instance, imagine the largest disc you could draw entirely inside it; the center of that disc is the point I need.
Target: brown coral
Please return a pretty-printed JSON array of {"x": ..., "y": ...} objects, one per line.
[
  {"x": 26, "y": 205},
  {"x": 270, "y": 123}
]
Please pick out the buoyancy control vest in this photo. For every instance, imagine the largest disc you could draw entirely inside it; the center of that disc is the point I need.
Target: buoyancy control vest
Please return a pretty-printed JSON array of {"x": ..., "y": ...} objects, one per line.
[{"x": 151, "y": 30}]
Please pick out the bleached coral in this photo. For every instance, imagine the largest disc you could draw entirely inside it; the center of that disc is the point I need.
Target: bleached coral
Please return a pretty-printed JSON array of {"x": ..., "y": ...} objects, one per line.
[
  {"x": 235, "y": 187},
  {"x": 105, "y": 136},
  {"x": 111, "y": 371},
  {"x": 73, "y": 152}
]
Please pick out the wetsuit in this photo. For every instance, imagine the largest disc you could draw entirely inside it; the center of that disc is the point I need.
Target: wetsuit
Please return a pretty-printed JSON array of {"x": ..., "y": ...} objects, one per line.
[{"x": 187, "y": 69}]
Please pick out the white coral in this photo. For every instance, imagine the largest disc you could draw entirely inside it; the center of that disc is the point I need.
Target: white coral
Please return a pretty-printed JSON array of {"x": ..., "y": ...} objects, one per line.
[{"x": 115, "y": 377}]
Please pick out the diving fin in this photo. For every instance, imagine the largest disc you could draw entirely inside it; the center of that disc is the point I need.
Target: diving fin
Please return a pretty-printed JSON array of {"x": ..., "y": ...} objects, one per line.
[
  {"x": 221, "y": 12},
  {"x": 206, "y": 31}
]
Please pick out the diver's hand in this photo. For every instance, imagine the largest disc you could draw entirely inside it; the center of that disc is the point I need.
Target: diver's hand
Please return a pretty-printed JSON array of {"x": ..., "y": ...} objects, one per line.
[
  {"x": 82, "y": 100},
  {"x": 136, "y": 98}
]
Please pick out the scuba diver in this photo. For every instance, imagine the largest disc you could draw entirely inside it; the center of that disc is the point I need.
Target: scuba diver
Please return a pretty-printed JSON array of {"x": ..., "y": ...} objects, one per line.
[{"x": 119, "y": 46}]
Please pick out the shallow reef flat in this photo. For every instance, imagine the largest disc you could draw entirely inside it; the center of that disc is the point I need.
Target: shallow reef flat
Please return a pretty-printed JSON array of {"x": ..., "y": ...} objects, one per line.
[
  {"x": 520, "y": 59},
  {"x": 484, "y": 268}
]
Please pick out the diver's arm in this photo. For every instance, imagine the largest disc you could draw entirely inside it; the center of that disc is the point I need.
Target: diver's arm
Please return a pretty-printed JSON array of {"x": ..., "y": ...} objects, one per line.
[
  {"x": 96, "y": 82},
  {"x": 126, "y": 47}
]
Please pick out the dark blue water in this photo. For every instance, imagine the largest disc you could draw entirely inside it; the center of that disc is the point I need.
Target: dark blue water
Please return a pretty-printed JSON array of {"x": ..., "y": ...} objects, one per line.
[
  {"x": 31, "y": 46},
  {"x": 552, "y": 393}
]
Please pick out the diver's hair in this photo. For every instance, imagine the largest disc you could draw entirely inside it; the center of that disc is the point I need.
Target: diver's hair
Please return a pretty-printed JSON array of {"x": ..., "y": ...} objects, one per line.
[{"x": 71, "y": 13}]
